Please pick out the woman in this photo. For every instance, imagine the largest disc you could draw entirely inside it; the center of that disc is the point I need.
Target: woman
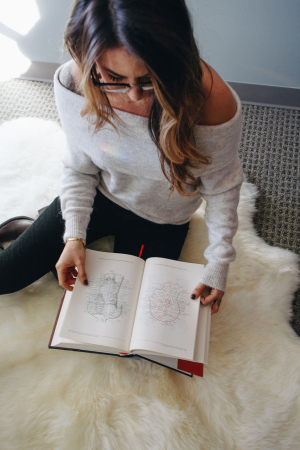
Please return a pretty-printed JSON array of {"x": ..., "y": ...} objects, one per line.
[{"x": 151, "y": 130}]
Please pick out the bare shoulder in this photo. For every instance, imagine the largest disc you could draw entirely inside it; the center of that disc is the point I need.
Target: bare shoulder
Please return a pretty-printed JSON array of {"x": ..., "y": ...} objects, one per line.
[
  {"x": 220, "y": 106},
  {"x": 70, "y": 76}
]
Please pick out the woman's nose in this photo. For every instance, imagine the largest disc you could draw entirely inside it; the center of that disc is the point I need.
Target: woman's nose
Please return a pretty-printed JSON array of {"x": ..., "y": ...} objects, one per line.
[{"x": 135, "y": 93}]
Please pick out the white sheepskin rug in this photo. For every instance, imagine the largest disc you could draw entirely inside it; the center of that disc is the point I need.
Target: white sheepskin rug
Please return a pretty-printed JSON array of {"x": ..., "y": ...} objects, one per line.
[{"x": 53, "y": 399}]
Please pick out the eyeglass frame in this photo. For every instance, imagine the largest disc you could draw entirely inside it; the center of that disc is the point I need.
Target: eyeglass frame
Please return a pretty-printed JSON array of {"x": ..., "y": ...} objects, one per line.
[{"x": 126, "y": 86}]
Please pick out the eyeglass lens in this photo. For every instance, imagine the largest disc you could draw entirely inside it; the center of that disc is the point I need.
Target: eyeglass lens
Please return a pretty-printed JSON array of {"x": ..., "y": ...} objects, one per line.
[{"x": 122, "y": 89}]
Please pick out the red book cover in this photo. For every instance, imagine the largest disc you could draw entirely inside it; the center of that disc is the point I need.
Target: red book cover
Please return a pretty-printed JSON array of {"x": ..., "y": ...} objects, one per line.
[{"x": 191, "y": 367}]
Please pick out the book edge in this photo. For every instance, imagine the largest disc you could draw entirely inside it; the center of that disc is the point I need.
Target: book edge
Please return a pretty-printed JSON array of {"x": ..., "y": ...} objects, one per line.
[
  {"x": 124, "y": 356},
  {"x": 56, "y": 320}
]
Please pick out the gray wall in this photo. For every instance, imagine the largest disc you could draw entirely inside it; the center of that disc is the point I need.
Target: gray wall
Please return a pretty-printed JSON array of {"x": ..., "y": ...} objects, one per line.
[
  {"x": 43, "y": 42},
  {"x": 246, "y": 41},
  {"x": 250, "y": 41}
]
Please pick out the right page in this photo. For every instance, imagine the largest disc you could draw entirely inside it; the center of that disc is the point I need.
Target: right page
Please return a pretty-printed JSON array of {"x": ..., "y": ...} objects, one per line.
[{"x": 166, "y": 317}]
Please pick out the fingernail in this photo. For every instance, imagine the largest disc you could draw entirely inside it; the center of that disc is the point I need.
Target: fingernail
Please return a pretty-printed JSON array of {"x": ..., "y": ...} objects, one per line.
[
  {"x": 193, "y": 296},
  {"x": 86, "y": 282}
]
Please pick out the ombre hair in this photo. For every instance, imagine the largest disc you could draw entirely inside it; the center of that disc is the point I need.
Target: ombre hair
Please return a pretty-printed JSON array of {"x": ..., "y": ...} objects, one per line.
[{"x": 159, "y": 32}]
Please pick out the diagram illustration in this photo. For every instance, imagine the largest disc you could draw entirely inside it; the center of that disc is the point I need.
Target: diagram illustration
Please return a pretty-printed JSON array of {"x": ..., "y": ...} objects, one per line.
[
  {"x": 105, "y": 297},
  {"x": 167, "y": 303}
]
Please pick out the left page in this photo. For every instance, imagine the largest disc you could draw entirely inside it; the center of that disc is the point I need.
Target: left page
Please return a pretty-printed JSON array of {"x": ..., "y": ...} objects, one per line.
[{"x": 103, "y": 312}]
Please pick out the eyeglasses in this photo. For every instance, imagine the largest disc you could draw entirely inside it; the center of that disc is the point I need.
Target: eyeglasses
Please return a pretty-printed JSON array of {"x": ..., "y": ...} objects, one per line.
[{"x": 120, "y": 88}]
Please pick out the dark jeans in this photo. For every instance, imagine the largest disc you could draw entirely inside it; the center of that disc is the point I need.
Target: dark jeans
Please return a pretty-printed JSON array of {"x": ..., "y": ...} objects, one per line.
[{"x": 38, "y": 249}]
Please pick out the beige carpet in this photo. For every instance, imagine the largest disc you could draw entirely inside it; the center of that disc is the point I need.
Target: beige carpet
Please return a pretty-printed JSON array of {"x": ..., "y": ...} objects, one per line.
[{"x": 249, "y": 397}]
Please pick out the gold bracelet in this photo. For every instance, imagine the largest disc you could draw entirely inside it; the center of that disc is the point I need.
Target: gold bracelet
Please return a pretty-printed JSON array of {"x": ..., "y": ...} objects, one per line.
[{"x": 78, "y": 239}]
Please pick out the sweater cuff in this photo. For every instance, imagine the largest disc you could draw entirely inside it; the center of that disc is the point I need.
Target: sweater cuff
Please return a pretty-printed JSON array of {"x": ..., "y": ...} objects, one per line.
[
  {"x": 76, "y": 226},
  {"x": 215, "y": 274}
]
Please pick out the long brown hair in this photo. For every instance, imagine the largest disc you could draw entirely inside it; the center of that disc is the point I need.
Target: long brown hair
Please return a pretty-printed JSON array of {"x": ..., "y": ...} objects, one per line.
[{"x": 160, "y": 34}]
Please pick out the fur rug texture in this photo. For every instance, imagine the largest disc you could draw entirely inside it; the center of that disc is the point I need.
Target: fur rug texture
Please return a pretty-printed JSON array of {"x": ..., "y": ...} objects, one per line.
[{"x": 249, "y": 397}]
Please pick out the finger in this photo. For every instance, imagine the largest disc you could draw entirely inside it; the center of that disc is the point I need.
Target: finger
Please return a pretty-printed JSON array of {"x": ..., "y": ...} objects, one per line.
[
  {"x": 74, "y": 272},
  {"x": 64, "y": 284},
  {"x": 64, "y": 280},
  {"x": 71, "y": 271},
  {"x": 70, "y": 279},
  {"x": 210, "y": 298},
  {"x": 81, "y": 271},
  {"x": 214, "y": 309},
  {"x": 198, "y": 290}
]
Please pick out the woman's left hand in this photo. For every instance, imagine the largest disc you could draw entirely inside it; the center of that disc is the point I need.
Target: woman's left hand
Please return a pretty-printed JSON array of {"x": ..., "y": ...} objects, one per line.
[{"x": 215, "y": 294}]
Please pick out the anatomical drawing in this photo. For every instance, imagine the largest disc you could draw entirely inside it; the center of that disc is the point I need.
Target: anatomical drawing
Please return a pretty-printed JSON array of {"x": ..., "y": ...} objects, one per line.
[
  {"x": 103, "y": 299},
  {"x": 166, "y": 303}
]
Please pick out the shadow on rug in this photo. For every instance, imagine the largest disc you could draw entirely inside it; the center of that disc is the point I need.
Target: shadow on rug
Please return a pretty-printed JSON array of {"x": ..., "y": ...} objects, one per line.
[{"x": 51, "y": 399}]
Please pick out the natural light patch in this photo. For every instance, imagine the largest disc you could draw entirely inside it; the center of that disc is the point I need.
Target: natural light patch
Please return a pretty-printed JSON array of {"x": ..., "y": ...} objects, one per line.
[
  {"x": 13, "y": 62},
  {"x": 19, "y": 15}
]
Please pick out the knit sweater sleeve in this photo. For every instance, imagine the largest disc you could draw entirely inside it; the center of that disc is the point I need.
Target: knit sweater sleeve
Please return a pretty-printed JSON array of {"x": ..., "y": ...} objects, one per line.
[
  {"x": 80, "y": 177},
  {"x": 221, "y": 218},
  {"x": 220, "y": 188}
]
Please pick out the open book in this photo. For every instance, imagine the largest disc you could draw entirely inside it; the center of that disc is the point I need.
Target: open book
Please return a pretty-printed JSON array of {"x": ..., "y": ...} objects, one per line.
[{"x": 132, "y": 307}]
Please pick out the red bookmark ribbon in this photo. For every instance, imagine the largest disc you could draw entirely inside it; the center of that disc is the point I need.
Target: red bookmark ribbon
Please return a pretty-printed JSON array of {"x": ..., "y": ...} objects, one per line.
[{"x": 141, "y": 250}]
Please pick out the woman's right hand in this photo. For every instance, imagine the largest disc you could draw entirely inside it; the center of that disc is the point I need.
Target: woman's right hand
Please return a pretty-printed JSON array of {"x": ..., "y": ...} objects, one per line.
[{"x": 72, "y": 256}]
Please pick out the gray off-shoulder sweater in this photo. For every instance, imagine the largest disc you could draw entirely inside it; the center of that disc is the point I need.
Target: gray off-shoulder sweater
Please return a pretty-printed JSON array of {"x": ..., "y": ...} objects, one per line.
[{"x": 127, "y": 170}]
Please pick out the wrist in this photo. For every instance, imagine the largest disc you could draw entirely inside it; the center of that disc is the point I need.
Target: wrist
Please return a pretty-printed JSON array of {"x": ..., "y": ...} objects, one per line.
[{"x": 77, "y": 240}]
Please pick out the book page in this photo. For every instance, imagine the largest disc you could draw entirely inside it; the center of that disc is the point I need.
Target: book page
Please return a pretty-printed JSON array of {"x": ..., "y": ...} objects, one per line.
[
  {"x": 102, "y": 313},
  {"x": 166, "y": 318},
  {"x": 60, "y": 342}
]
